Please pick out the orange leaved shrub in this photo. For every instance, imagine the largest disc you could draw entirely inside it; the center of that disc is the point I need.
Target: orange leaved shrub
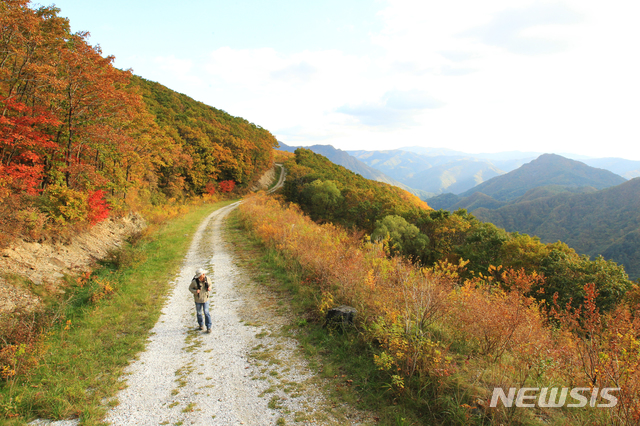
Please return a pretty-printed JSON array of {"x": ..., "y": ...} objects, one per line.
[{"x": 504, "y": 337}]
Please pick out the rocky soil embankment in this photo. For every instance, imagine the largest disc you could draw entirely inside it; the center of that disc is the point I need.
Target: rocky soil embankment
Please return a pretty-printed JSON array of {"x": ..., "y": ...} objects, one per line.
[
  {"x": 265, "y": 181},
  {"x": 44, "y": 264}
]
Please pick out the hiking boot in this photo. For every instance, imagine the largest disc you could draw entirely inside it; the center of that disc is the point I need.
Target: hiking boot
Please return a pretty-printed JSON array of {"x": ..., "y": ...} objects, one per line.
[
  {"x": 208, "y": 330},
  {"x": 201, "y": 328}
]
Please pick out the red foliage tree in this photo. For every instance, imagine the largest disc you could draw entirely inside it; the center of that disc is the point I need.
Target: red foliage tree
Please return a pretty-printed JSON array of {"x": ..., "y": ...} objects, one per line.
[
  {"x": 22, "y": 144},
  {"x": 98, "y": 207},
  {"x": 227, "y": 185},
  {"x": 210, "y": 188}
]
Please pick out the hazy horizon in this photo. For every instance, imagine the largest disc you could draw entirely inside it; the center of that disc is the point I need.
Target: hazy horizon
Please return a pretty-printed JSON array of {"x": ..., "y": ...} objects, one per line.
[{"x": 488, "y": 76}]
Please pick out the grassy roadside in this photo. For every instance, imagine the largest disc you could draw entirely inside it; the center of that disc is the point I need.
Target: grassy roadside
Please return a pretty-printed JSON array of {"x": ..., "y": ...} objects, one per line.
[
  {"x": 105, "y": 322},
  {"x": 340, "y": 357}
]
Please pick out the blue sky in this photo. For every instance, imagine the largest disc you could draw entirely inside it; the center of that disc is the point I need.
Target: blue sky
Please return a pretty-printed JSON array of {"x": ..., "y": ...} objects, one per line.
[{"x": 474, "y": 76}]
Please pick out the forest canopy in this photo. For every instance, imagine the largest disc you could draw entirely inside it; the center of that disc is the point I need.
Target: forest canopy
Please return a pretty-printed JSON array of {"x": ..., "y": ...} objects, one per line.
[
  {"x": 331, "y": 193},
  {"x": 79, "y": 137}
]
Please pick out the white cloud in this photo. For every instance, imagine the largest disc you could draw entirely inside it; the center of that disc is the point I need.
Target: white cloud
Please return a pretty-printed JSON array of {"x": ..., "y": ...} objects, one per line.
[
  {"x": 397, "y": 108},
  {"x": 476, "y": 76},
  {"x": 524, "y": 30},
  {"x": 302, "y": 71},
  {"x": 179, "y": 68},
  {"x": 289, "y": 91},
  {"x": 510, "y": 74}
]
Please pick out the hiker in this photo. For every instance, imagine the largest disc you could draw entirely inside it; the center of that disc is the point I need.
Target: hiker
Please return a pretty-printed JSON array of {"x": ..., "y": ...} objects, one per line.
[{"x": 200, "y": 287}]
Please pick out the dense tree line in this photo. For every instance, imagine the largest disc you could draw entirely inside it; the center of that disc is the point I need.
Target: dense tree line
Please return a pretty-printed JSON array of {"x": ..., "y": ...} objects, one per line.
[
  {"x": 79, "y": 137},
  {"x": 331, "y": 192},
  {"x": 215, "y": 145},
  {"x": 328, "y": 192}
]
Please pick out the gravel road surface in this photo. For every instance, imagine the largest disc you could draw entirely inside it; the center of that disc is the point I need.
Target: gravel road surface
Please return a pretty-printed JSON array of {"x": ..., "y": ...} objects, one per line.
[{"x": 246, "y": 372}]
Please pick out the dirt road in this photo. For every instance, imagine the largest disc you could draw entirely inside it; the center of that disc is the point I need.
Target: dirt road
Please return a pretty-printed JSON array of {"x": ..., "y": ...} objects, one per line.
[{"x": 244, "y": 373}]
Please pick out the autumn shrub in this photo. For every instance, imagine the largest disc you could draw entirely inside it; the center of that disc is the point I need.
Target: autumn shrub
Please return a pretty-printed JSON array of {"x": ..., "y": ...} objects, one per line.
[
  {"x": 210, "y": 188},
  {"x": 226, "y": 186},
  {"x": 58, "y": 212},
  {"x": 505, "y": 332},
  {"x": 606, "y": 350},
  {"x": 19, "y": 217},
  {"x": 620, "y": 361},
  {"x": 23, "y": 341},
  {"x": 97, "y": 207},
  {"x": 493, "y": 319},
  {"x": 155, "y": 215},
  {"x": 433, "y": 332},
  {"x": 64, "y": 204},
  {"x": 33, "y": 222},
  {"x": 12, "y": 223},
  {"x": 396, "y": 301}
]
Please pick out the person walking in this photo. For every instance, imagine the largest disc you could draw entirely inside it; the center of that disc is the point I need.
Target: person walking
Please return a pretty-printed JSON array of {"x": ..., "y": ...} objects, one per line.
[{"x": 200, "y": 287}]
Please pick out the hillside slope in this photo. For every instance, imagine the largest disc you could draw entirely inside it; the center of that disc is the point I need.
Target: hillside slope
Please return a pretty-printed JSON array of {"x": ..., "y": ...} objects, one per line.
[
  {"x": 327, "y": 191},
  {"x": 605, "y": 222},
  {"x": 215, "y": 145},
  {"x": 80, "y": 138},
  {"x": 548, "y": 169}
]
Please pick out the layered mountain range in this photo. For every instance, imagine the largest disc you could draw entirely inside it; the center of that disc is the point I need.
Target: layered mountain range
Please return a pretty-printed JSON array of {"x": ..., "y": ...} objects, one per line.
[
  {"x": 344, "y": 159},
  {"x": 594, "y": 211},
  {"x": 590, "y": 204}
]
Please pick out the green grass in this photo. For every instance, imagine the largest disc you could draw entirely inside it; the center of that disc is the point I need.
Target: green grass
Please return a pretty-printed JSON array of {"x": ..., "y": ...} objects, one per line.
[
  {"x": 105, "y": 330},
  {"x": 344, "y": 359}
]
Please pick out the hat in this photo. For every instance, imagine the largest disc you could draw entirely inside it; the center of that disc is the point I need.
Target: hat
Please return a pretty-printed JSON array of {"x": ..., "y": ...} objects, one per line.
[{"x": 199, "y": 272}]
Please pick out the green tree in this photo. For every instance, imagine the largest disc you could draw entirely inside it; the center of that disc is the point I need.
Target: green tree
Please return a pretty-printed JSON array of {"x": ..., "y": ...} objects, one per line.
[
  {"x": 566, "y": 273},
  {"x": 403, "y": 238},
  {"x": 523, "y": 251},
  {"x": 323, "y": 197},
  {"x": 446, "y": 232},
  {"x": 483, "y": 247}
]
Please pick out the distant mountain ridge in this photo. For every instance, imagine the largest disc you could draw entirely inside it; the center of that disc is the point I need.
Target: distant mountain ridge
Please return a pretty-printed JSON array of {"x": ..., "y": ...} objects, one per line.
[
  {"x": 441, "y": 170},
  {"x": 604, "y": 222},
  {"x": 454, "y": 172},
  {"x": 428, "y": 172},
  {"x": 342, "y": 158},
  {"x": 507, "y": 160},
  {"x": 545, "y": 176},
  {"x": 628, "y": 169},
  {"x": 457, "y": 176},
  {"x": 548, "y": 169},
  {"x": 594, "y": 211}
]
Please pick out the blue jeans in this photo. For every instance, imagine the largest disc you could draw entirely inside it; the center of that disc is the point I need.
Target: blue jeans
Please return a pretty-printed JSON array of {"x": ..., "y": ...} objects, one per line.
[{"x": 207, "y": 317}]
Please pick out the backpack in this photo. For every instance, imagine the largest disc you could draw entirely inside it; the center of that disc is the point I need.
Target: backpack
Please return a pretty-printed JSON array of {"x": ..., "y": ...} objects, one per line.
[{"x": 199, "y": 285}]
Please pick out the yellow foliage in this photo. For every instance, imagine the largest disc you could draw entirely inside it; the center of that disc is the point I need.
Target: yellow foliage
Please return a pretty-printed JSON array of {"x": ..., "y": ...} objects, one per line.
[
  {"x": 103, "y": 290},
  {"x": 398, "y": 302}
]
